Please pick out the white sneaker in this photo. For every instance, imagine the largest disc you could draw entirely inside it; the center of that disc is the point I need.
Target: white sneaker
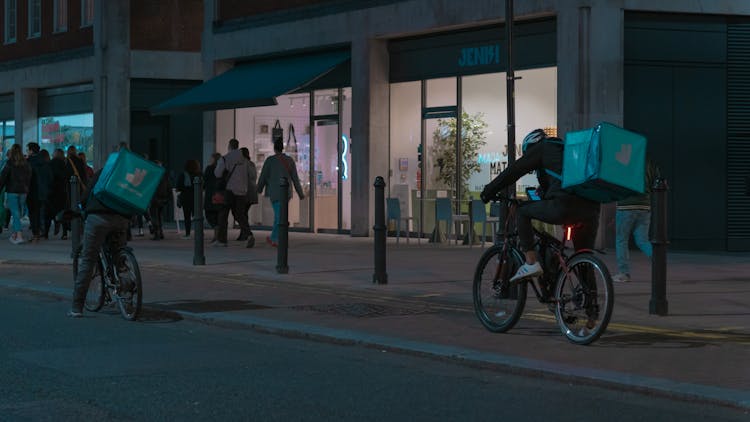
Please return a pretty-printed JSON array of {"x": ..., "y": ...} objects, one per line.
[
  {"x": 16, "y": 239},
  {"x": 621, "y": 278},
  {"x": 526, "y": 271}
]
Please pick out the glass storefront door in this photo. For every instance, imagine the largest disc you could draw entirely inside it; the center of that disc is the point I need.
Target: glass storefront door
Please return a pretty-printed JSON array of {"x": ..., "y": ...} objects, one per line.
[
  {"x": 332, "y": 159},
  {"x": 437, "y": 167}
]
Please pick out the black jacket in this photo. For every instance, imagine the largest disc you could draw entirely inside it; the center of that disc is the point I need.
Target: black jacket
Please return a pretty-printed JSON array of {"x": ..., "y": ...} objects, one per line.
[
  {"x": 16, "y": 179},
  {"x": 546, "y": 155},
  {"x": 41, "y": 178}
]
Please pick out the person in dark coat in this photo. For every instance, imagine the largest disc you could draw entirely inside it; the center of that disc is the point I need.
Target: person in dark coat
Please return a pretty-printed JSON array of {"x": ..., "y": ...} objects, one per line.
[
  {"x": 209, "y": 186},
  {"x": 15, "y": 178},
  {"x": 77, "y": 167},
  {"x": 36, "y": 200},
  {"x": 186, "y": 195},
  {"x": 59, "y": 197},
  {"x": 158, "y": 202}
]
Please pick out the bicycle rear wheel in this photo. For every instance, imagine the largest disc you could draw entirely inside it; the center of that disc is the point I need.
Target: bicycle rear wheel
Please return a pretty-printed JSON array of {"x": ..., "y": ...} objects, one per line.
[
  {"x": 95, "y": 293},
  {"x": 129, "y": 294},
  {"x": 585, "y": 298},
  {"x": 498, "y": 303}
]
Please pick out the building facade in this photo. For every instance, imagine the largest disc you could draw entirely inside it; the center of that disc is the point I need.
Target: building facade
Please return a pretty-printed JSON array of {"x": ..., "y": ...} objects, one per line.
[
  {"x": 86, "y": 72},
  {"x": 366, "y": 88},
  {"x": 674, "y": 71}
]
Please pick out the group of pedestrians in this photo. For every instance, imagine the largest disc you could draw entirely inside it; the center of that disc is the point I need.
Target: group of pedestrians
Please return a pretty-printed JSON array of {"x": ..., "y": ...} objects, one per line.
[
  {"x": 36, "y": 187},
  {"x": 232, "y": 185}
]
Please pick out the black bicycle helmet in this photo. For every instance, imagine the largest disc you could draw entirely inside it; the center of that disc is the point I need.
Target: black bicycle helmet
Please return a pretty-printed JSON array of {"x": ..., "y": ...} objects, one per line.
[{"x": 535, "y": 136}]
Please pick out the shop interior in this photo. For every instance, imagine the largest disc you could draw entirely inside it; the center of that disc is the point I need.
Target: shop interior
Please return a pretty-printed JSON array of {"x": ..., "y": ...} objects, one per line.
[
  {"x": 423, "y": 124},
  {"x": 316, "y": 129}
]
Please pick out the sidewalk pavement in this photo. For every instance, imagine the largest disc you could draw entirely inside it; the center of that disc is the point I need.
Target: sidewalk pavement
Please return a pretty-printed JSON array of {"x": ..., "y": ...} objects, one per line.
[{"x": 700, "y": 351}]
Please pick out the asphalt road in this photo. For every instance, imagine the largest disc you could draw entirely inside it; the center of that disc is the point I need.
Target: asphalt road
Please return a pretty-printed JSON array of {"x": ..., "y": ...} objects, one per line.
[{"x": 163, "y": 368}]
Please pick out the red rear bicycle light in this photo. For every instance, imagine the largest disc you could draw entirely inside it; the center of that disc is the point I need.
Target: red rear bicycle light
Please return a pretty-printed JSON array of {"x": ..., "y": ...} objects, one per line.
[{"x": 569, "y": 233}]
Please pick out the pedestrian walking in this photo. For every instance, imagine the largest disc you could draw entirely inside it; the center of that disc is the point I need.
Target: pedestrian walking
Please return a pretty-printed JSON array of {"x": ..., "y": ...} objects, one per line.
[
  {"x": 36, "y": 200},
  {"x": 89, "y": 170},
  {"x": 274, "y": 168},
  {"x": 633, "y": 218},
  {"x": 211, "y": 210},
  {"x": 15, "y": 178},
  {"x": 158, "y": 202},
  {"x": 232, "y": 169},
  {"x": 186, "y": 192},
  {"x": 59, "y": 195},
  {"x": 252, "y": 192}
]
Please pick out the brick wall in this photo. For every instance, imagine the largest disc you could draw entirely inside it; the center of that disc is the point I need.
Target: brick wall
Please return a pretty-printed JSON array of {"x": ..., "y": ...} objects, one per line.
[
  {"x": 174, "y": 25},
  {"x": 75, "y": 37},
  {"x": 232, "y": 9}
]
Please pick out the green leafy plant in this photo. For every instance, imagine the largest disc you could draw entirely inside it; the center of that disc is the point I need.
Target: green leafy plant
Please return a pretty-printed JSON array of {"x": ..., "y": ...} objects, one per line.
[{"x": 443, "y": 152}]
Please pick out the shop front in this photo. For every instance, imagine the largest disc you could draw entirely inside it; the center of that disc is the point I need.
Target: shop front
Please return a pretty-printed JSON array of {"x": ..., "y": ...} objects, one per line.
[
  {"x": 434, "y": 80},
  {"x": 66, "y": 119},
  {"x": 308, "y": 96}
]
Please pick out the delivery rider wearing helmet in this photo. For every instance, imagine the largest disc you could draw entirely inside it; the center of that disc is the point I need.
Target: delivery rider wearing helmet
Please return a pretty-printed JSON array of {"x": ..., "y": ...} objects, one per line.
[{"x": 544, "y": 155}]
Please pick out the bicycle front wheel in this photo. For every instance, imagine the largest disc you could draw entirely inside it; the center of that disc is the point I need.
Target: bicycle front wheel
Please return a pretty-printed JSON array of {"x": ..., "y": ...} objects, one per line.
[
  {"x": 95, "y": 293},
  {"x": 584, "y": 299},
  {"x": 129, "y": 293},
  {"x": 498, "y": 303}
]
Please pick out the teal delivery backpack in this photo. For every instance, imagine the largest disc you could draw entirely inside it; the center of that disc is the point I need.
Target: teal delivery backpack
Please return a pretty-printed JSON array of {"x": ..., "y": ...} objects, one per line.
[
  {"x": 127, "y": 183},
  {"x": 605, "y": 163}
]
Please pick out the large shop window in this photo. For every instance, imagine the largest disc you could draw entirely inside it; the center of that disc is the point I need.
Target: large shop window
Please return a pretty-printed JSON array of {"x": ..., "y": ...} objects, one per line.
[
  {"x": 8, "y": 134},
  {"x": 321, "y": 151},
  {"x": 70, "y": 130},
  {"x": 424, "y": 157}
]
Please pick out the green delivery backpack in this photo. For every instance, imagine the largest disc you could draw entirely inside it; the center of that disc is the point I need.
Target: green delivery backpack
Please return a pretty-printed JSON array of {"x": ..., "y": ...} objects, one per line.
[
  {"x": 605, "y": 163},
  {"x": 127, "y": 183}
]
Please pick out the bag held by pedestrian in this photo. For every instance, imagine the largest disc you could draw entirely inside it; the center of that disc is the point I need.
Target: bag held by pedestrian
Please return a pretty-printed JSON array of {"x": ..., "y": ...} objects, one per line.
[
  {"x": 128, "y": 182},
  {"x": 605, "y": 163},
  {"x": 277, "y": 133},
  {"x": 223, "y": 196}
]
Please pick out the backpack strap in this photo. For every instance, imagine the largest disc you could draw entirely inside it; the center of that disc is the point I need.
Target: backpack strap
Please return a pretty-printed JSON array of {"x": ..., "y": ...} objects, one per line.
[{"x": 553, "y": 174}]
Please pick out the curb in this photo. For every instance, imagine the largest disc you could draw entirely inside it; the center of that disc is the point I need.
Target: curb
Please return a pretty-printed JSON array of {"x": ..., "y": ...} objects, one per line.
[{"x": 665, "y": 388}]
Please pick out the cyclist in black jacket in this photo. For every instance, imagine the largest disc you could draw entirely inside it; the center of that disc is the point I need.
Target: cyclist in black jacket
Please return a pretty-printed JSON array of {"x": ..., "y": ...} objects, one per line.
[{"x": 545, "y": 156}]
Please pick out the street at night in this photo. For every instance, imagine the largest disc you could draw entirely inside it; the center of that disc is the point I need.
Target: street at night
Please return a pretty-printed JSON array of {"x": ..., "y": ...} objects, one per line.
[{"x": 103, "y": 368}]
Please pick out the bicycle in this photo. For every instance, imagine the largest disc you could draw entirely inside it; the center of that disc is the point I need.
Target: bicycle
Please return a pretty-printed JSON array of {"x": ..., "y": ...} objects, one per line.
[
  {"x": 576, "y": 288},
  {"x": 116, "y": 277}
]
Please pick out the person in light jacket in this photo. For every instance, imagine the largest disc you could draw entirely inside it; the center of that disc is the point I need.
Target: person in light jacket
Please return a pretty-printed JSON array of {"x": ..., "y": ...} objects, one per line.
[
  {"x": 251, "y": 197},
  {"x": 274, "y": 168}
]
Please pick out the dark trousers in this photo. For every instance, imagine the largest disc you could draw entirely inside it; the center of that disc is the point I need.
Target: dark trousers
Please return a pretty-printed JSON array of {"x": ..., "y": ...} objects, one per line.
[
  {"x": 568, "y": 210},
  {"x": 238, "y": 206},
  {"x": 156, "y": 210},
  {"x": 187, "y": 211},
  {"x": 98, "y": 229},
  {"x": 37, "y": 216}
]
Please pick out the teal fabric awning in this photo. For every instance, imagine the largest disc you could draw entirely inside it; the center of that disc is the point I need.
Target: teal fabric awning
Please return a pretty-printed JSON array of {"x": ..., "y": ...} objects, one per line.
[{"x": 255, "y": 84}]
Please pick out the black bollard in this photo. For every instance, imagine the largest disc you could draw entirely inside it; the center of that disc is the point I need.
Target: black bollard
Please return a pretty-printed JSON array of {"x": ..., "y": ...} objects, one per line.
[
  {"x": 199, "y": 257},
  {"x": 659, "y": 240},
  {"x": 75, "y": 224},
  {"x": 282, "y": 255},
  {"x": 380, "y": 276}
]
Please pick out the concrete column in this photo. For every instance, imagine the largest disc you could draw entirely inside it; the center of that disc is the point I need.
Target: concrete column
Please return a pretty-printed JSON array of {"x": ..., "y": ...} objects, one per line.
[
  {"x": 26, "y": 116},
  {"x": 209, "y": 70},
  {"x": 370, "y": 120},
  {"x": 111, "y": 76},
  {"x": 590, "y": 40}
]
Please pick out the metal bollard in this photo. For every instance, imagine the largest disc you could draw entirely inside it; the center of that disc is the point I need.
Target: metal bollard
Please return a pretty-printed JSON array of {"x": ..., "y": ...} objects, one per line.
[
  {"x": 380, "y": 276},
  {"x": 199, "y": 257},
  {"x": 658, "y": 304},
  {"x": 75, "y": 224},
  {"x": 282, "y": 253}
]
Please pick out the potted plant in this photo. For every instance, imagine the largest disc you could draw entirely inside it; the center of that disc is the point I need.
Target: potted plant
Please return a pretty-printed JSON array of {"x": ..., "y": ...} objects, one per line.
[{"x": 473, "y": 138}]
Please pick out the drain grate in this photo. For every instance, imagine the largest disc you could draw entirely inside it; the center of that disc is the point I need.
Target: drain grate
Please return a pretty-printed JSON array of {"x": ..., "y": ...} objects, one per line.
[
  {"x": 207, "y": 306},
  {"x": 363, "y": 310}
]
